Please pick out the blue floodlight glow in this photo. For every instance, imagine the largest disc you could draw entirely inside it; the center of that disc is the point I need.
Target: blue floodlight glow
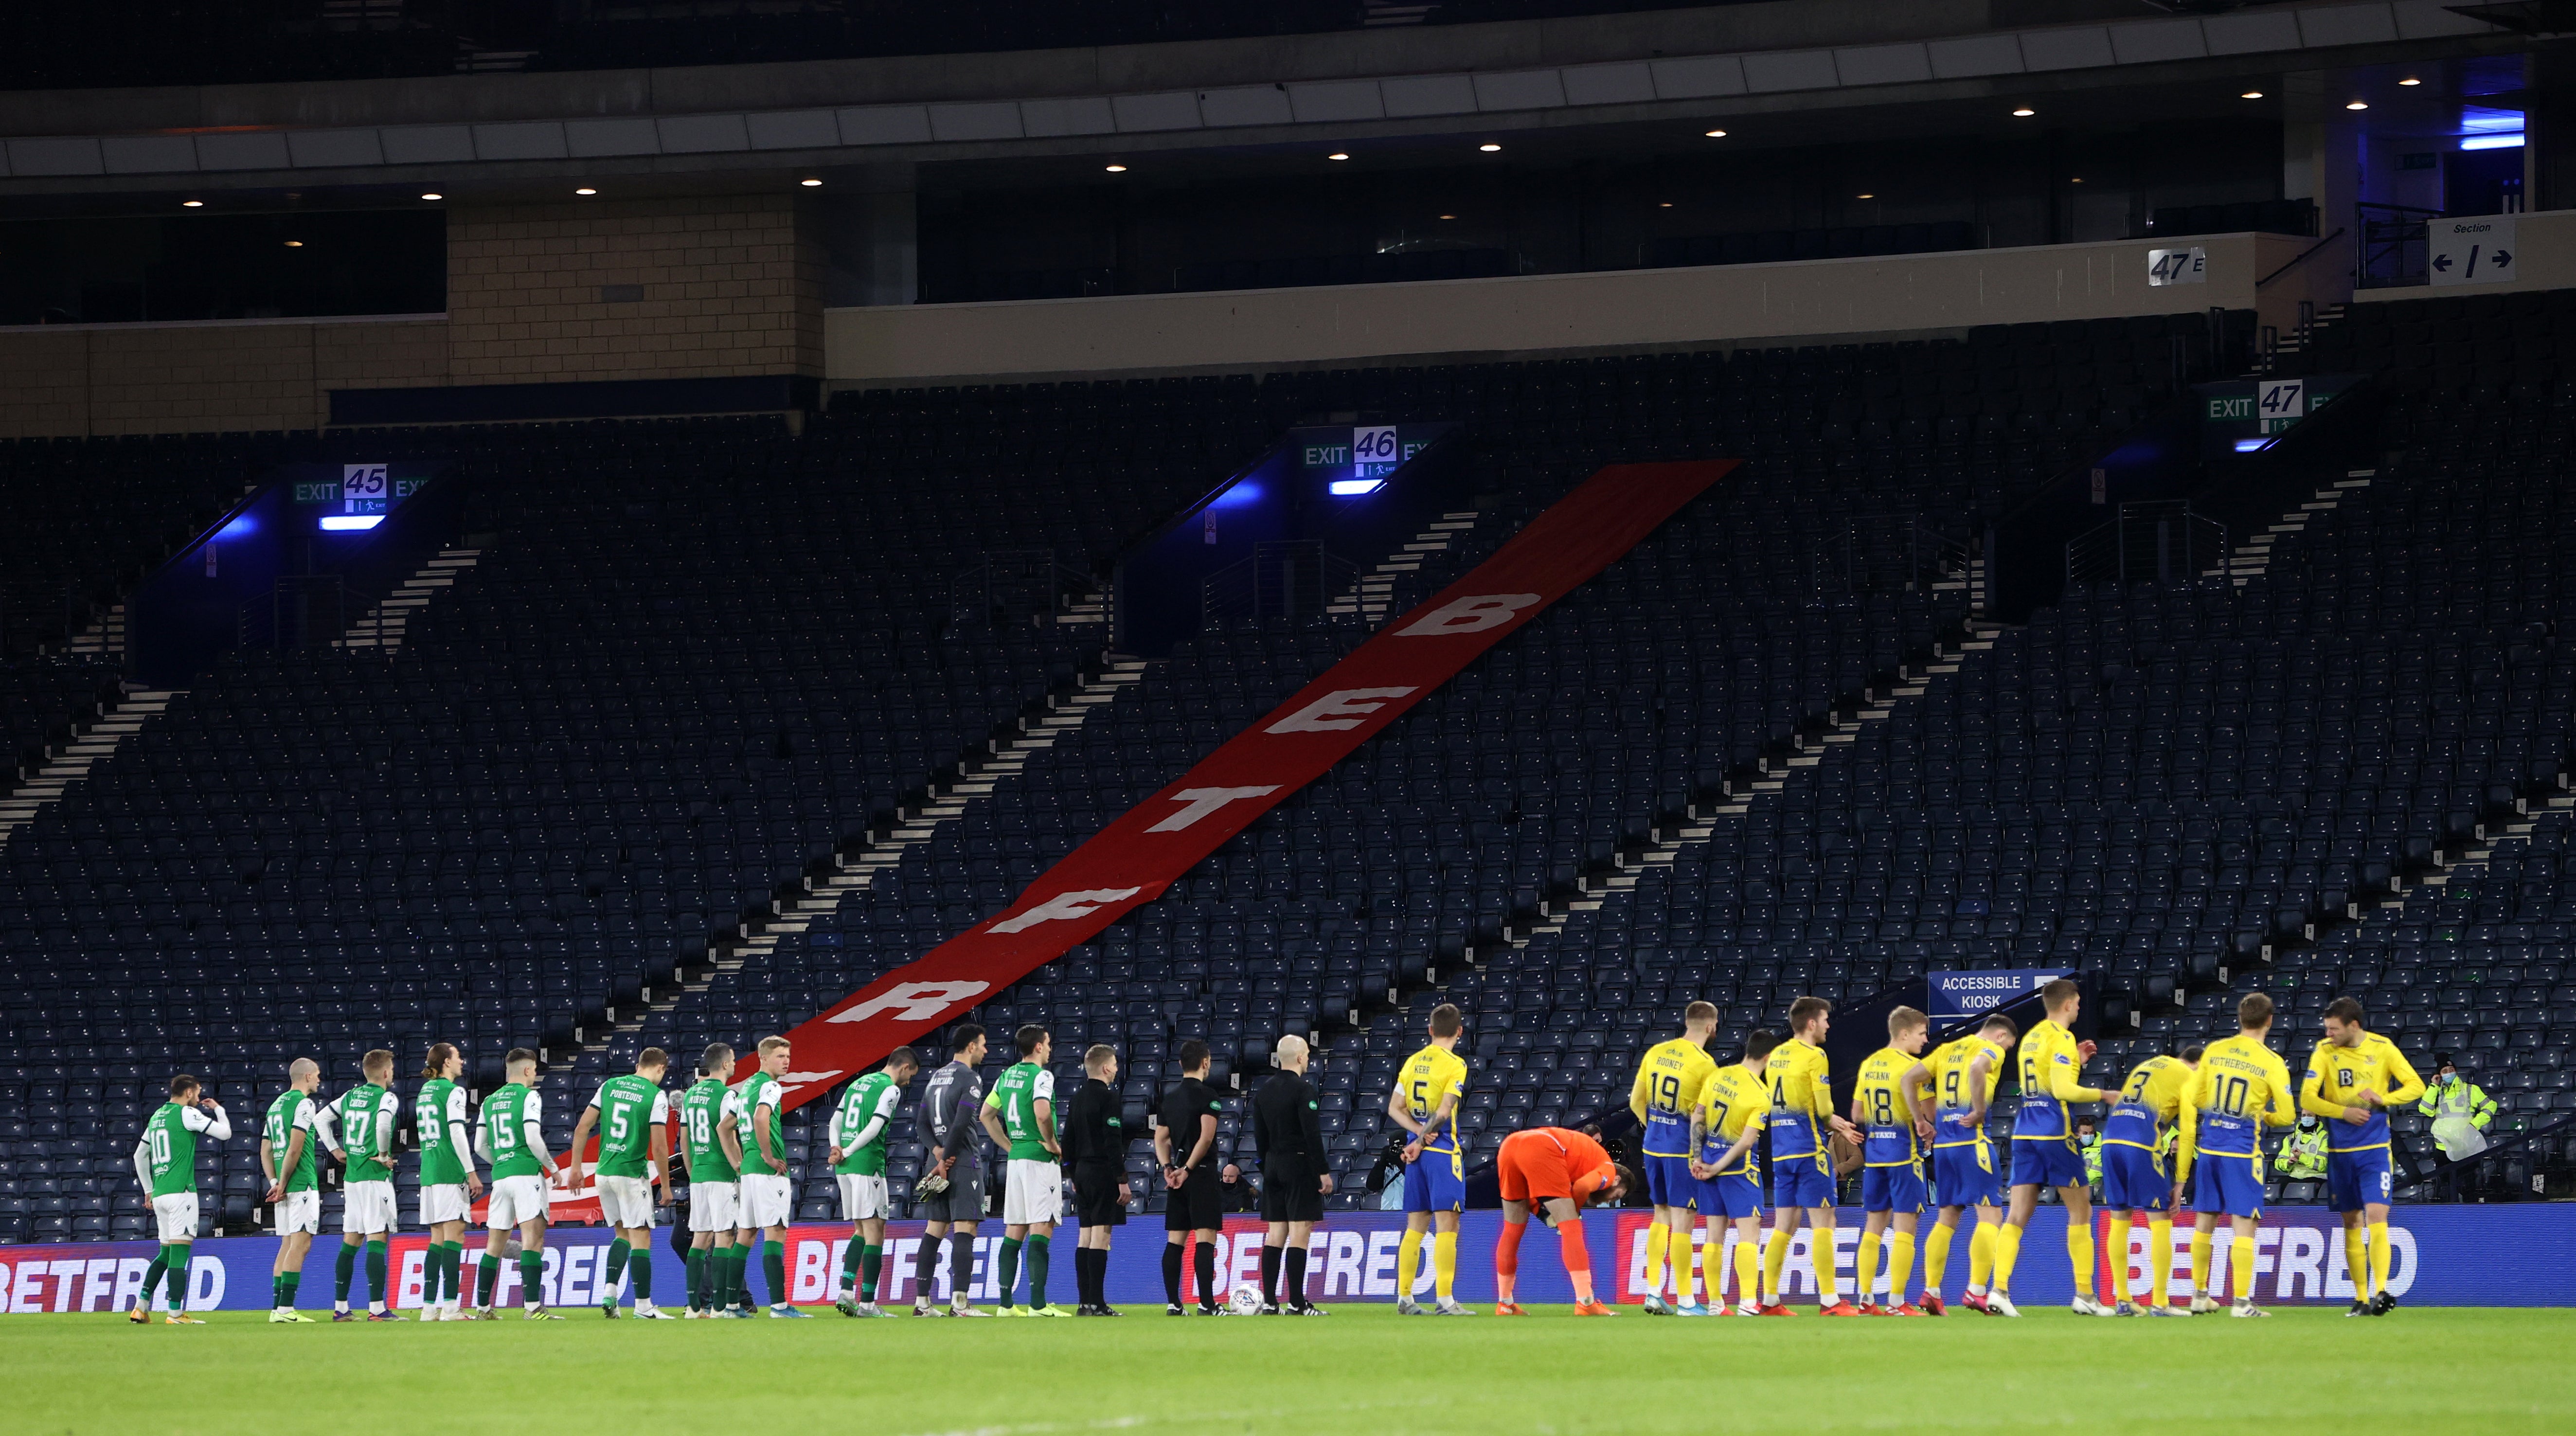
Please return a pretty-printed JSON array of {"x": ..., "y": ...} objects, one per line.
[
  {"x": 1353, "y": 488},
  {"x": 1236, "y": 497},
  {"x": 239, "y": 528},
  {"x": 344, "y": 523},
  {"x": 2252, "y": 446},
  {"x": 2492, "y": 142}
]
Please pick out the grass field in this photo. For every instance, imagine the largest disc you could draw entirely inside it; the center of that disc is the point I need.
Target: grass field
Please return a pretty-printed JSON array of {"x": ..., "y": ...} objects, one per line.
[{"x": 1362, "y": 1369}]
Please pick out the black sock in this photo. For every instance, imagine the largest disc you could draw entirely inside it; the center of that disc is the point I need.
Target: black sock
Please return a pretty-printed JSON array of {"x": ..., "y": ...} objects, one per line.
[
  {"x": 1203, "y": 1265},
  {"x": 961, "y": 1265},
  {"x": 1096, "y": 1263},
  {"x": 1172, "y": 1272},
  {"x": 925, "y": 1268},
  {"x": 1269, "y": 1275},
  {"x": 1292, "y": 1275}
]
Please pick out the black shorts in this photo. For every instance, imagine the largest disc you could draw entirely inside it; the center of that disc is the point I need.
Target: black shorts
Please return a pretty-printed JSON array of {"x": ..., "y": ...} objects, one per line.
[
  {"x": 1099, "y": 1196},
  {"x": 1291, "y": 1194},
  {"x": 1199, "y": 1205}
]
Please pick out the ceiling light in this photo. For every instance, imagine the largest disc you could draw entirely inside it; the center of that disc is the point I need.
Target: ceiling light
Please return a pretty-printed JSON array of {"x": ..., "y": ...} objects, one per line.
[
  {"x": 1117, "y": 169},
  {"x": 2357, "y": 105},
  {"x": 2025, "y": 112},
  {"x": 585, "y": 190},
  {"x": 2410, "y": 81},
  {"x": 1448, "y": 216},
  {"x": 1337, "y": 155},
  {"x": 2251, "y": 95},
  {"x": 433, "y": 194},
  {"x": 811, "y": 183},
  {"x": 1865, "y": 196},
  {"x": 2075, "y": 179},
  {"x": 1489, "y": 149},
  {"x": 295, "y": 244},
  {"x": 192, "y": 204},
  {"x": 1667, "y": 204},
  {"x": 1717, "y": 134}
]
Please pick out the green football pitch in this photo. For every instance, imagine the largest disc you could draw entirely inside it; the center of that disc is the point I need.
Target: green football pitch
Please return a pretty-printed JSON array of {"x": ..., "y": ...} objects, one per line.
[{"x": 1361, "y": 1369}]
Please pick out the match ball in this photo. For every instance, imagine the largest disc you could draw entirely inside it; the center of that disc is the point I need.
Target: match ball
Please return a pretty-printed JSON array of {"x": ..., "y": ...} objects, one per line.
[{"x": 1246, "y": 1300}]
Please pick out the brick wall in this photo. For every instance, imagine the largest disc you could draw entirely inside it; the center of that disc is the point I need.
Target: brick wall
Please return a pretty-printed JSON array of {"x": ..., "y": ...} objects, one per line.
[
  {"x": 180, "y": 379},
  {"x": 702, "y": 287}
]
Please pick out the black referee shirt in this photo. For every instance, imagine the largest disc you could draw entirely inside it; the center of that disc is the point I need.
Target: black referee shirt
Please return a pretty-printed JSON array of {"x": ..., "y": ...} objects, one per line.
[
  {"x": 1093, "y": 1132},
  {"x": 1188, "y": 1100},
  {"x": 1287, "y": 1129}
]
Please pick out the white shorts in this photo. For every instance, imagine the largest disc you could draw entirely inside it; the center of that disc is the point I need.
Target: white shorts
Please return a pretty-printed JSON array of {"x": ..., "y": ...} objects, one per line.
[
  {"x": 445, "y": 1202},
  {"x": 864, "y": 1197},
  {"x": 515, "y": 1200},
  {"x": 299, "y": 1212},
  {"x": 626, "y": 1201},
  {"x": 176, "y": 1215},
  {"x": 765, "y": 1202},
  {"x": 711, "y": 1206},
  {"x": 367, "y": 1210},
  {"x": 1033, "y": 1195}
]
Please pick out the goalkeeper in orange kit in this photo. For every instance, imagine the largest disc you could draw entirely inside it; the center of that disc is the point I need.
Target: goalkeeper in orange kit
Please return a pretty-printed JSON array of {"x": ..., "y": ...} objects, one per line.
[{"x": 1557, "y": 1173}]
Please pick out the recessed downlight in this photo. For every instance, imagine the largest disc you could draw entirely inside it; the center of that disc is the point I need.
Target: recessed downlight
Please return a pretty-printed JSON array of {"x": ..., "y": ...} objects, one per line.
[
  {"x": 2025, "y": 112},
  {"x": 585, "y": 189},
  {"x": 1489, "y": 149},
  {"x": 192, "y": 204},
  {"x": 433, "y": 194},
  {"x": 1337, "y": 155},
  {"x": 1116, "y": 169}
]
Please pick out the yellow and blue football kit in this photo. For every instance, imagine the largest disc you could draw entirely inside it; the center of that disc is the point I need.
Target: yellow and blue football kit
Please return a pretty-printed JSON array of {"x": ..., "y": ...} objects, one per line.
[
  {"x": 2134, "y": 1176},
  {"x": 1891, "y": 1178},
  {"x": 2242, "y": 1087},
  {"x": 1802, "y": 1169},
  {"x": 1964, "y": 1172},
  {"x": 1736, "y": 1096},
  {"x": 1665, "y": 1094},
  {"x": 2357, "y": 1168},
  {"x": 2043, "y": 1140},
  {"x": 1436, "y": 1180}
]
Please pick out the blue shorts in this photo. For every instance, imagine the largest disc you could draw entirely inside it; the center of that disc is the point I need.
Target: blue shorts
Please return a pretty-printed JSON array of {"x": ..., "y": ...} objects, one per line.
[
  {"x": 1965, "y": 1176},
  {"x": 1892, "y": 1189},
  {"x": 1806, "y": 1181},
  {"x": 1669, "y": 1182},
  {"x": 2134, "y": 1181},
  {"x": 1435, "y": 1182},
  {"x": 2046, "y": 1162},
  {"x": 1736, "y": 1194},
  {"x": 2227, "y": 1186},
  {"x": 2356, "y": 1179}
]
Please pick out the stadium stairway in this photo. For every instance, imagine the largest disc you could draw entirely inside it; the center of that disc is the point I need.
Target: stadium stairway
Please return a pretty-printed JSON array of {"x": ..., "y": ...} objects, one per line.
[
  {"x": 383, "y": 626},
  {"x": 104, "y": 638},
  {"x": 1370, "y": 597},
  {"x": 94, "y": 745}
]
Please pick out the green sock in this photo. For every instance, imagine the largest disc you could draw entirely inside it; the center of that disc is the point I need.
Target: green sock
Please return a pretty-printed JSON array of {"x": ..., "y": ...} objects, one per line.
[
  {"x": 152, "y": 1274},
  {"x": 871, "y": 1264},
  {"x": 293, "y": 1280},
  {"x": 343, "y": 1271},
  {"x": 739, "y": 1278},
  {"x": 640, "y": 1267},
  {"x": 490, "y": 1282},
  {"x": 376, "y": 1293},
  {"x": 532, "y": 1277},
  {"x": 618, "y": 1252},
  {"x": 179, "y": 1276},
  {"x": 721, "y": 1278},
  {"x": 1007, "y": 1269},
  {"x": 850, "y": 1258},
  {"x": 451, "y": 1259},
  {"x": 277, "y": 1291},
  {"x": 773, "y": 1264},
  {"x": 696, "y": 1262},
  {"x": 1037, "y": 1250}
]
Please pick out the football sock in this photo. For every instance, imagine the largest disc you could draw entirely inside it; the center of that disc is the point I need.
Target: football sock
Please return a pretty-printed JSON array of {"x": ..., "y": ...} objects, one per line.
[
  {"x": 1775, "y": 1257},
  {"x": 851, "y": 1256},
  {"x": 376, "y": 1294},
  {"x": 1172, "y": 1272},
  {"x": 1820, "y": 1254},
  {"x": 618, "y": 1253},
  {"x": 532, "y": 1277},
  {"x": 724, "y": 1271},
  {"x": 1085, "y": 1261},
  {"x": 491, "y": 1280},
  {"x": 2243, "y": 1257},
  {"x": 1292, "y": 1275},
  {"x": 1007, "y": 1263},
  {"x": 453, "y": 1259},
  {"x": 640, "y": 1266},
  {"x": 2200, "y": 1260},
  {"x": 1866, "y": 1267},
  {"x": 1936, "y": 1258},
  {"x": 1270, "y": 1273},
  {"x": 2119, "y": 1257},
  {"x": 2159, "y": 1260},
  {"x": 2379, "y": 1258},
  {"x": 696, "y": 1263},
  {"x": 433, "y": 1274},
  {"x": 1444, "y": 1265},
  {"x": 1981, "y": 1256},
  {"x": 2079, "y": 1255},
  {"x": 961, "y": 1267},
  {"x": 1041, "y": 1253},
  {"x": 871, "y": 1268},
  {"x": 1578, "y": 1258},
  {"x": 1408, "y": 1251},
  {"x": 1507, "y": 1257},
  {"x": 743, "y": 1253},
  {"x": 2356, "y": 1260},
  {"x": 925, "y": 1266},
  {"x": 152, "y": 1274},
  {"x": 344, "y": 1270},
  {"x": 1748, "y": 1272},
  {"x": 2007, "y": 1254},
  {"x": 1658, "y": 1241},
  {"x": 1683, "y": 1282},
  {"x": 1203, "y": 1268},
  {"x": 180, "y": 1254},
  {"x": 1900, "y": 1266},
  {"x": 773, "y": 1265},
  {"x": 276, "y": 1291}
]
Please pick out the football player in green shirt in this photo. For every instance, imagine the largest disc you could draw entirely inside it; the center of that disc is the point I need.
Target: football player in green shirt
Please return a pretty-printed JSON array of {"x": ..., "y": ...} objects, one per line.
[
  {"x": 767, "y": 1192},
  {"x": 860, "y": 1127},
  {"x": 714, "y": 1153},
  {"x": 448, "y": 1185},
  {"x": 513, "y": 1140},
  {"x": 365, "y": 1116},
  {"x": 633, "y": 1116},
  {"x": 287, "y": 1138},
  {"x": 165, "y": 1161},
  {"x": 1019, "y": 1115}
]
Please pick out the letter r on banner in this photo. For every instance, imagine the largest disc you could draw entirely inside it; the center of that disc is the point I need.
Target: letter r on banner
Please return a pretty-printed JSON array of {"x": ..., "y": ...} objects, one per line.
[
  {"x": 1472, "y": 614},
  {"x": 1064, "y": 907},
  {"x": 1197, "y": 803},
  {"x": 912, "y": 1001},
  {"x": 1338, "y": 711}
]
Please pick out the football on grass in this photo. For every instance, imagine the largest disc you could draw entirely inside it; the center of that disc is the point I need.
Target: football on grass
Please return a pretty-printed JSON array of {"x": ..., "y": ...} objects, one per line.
[{"x": 1246, "y": 1300}]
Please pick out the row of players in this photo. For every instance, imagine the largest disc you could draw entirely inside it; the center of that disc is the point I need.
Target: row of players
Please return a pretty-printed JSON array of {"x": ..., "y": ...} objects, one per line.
[
  {"x": 2188, "y": 1122},
  {"x": 2203, "y": 1108}
]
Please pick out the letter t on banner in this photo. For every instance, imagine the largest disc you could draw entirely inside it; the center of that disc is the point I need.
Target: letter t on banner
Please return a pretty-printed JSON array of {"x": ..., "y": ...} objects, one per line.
[{"x": 1133, "y": 860}]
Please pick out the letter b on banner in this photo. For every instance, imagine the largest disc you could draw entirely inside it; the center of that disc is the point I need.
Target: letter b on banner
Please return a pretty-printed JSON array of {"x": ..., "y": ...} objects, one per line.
[{"x": 1472, "y": 614}]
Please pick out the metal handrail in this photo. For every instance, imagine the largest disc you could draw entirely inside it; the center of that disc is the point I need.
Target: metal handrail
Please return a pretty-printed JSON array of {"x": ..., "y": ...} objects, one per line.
[{"x": 2163, "y": 539}]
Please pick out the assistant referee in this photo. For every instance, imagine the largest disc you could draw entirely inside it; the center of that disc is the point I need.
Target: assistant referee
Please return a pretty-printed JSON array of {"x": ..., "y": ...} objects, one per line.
[
  {"x": 1095, "y": 1147},
  {"x": 1288, "y": 1131}
]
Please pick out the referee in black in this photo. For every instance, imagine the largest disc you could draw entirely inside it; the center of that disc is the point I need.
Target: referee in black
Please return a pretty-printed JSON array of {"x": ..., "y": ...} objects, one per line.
[
  {"x": 1185, "y": 1148},
  {"x": 1095, "y": 1147},
  {"x": 1295, "y": 1177}
]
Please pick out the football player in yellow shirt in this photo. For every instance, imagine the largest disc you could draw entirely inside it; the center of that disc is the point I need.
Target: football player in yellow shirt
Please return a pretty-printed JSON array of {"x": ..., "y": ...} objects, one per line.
[
  {"x": 2044, "y": 1154},
  {"x": 1892, "y": 1103},
  {"x": 1965, "y": 1175},
  {"x": 1428, "y": 1089},
  {"x": 1723, "y": 1131},
  {"x": 2242, "y": 1087},
  {"x": 2136, "y": 1186},
  {"x": 1663, "y": 1097},
  {"x": 1802, "y": 1170},
  {"x": 2353, "y": 1078}
]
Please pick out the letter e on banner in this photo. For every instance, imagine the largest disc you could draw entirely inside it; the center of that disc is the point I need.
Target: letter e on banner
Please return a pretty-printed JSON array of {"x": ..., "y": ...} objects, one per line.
[
  {"x": 1338, "y": 711},
  {"x": 1472, "y": 614}
]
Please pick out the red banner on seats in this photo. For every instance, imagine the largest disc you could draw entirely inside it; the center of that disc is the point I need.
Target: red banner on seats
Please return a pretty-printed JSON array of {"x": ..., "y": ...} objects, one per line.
[{"x": 1134, "y": 859}]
